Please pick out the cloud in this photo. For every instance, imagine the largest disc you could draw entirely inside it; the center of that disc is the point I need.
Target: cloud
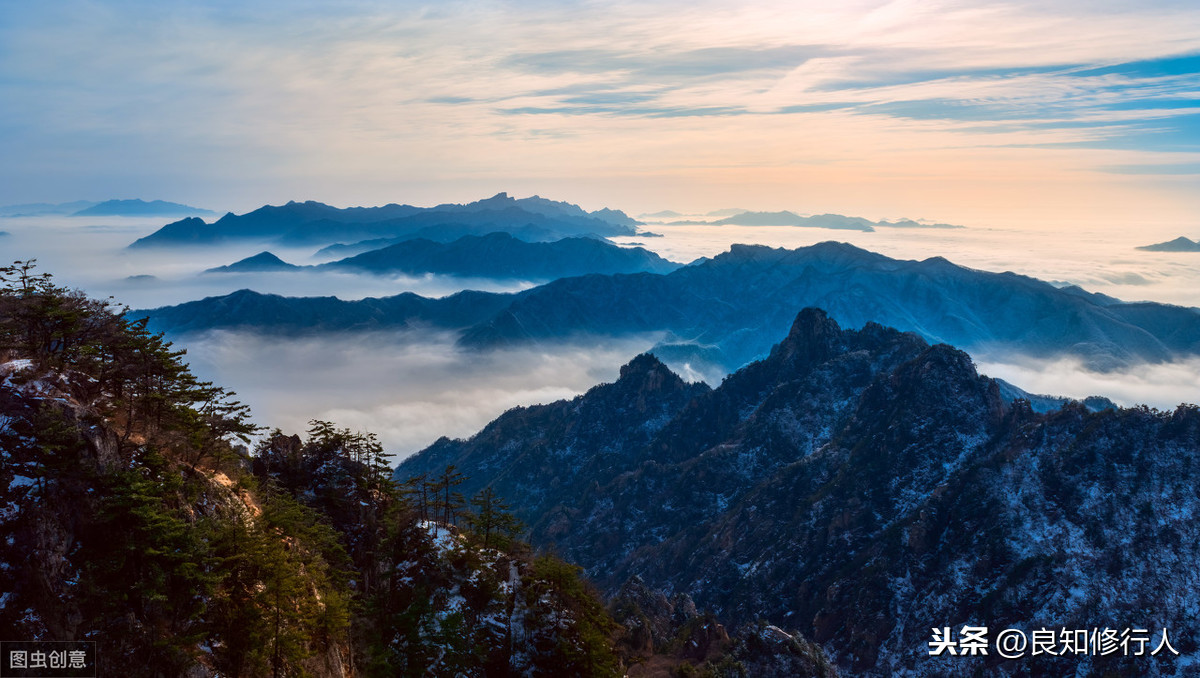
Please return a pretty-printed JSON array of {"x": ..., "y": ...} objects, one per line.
[
  {"x": 90, "y": 254},
  {"x": 409, "y": 389},
  {"x": 1163, "y": 386},
  {"x": 234, "y": 105},
  {"x": 412, "y": 388}
]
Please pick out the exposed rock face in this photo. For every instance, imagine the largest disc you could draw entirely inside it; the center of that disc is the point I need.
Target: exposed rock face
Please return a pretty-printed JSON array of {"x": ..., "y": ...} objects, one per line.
[
  {"x": 76, "y": 506},
  {"x": 863, "y": 487}
]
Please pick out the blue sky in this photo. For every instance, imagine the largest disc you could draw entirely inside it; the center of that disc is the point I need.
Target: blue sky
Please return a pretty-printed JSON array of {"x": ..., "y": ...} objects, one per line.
[{"x": 978, "y": 112}]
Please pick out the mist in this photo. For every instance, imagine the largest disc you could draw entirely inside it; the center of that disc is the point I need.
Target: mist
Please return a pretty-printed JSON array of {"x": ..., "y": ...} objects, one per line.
[
  {"x": 1163, "y": 386},
  {"x": 90, "y": 254},
  {"x": 414, "y": 387},
  {"x": 409, "y": 388}
]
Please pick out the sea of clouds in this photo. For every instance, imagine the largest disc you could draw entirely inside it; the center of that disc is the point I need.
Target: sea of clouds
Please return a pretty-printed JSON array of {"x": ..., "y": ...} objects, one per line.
[{"x": 412, "y": 387}]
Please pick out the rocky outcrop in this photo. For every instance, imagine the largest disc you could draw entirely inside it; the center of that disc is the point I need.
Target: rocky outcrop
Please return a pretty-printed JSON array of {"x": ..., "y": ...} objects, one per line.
[{"x": 863, "y": 487}]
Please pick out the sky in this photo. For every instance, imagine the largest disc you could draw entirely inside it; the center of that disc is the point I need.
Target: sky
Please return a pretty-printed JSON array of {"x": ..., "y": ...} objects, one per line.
[{"x": 1025, "y": 114}]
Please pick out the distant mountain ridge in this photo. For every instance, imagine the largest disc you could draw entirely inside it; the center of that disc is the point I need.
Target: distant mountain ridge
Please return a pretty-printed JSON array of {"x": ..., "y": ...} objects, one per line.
[
  {"x": 862, "y": 487},
  {"x": 724, "y": 311},
  {"x": 733, "y": 217},
  {"x": 139, "y": 208},
  {"x": 786, "y": 218},
  {"x": 725, "y": 308},
  {"x": 34, "y": 209},
  {"x": 314, "y": 223},
  {"x": 495, "y": 255},
  {"x": 276, "y": 314},
  {"x": 444, "y": 233}
]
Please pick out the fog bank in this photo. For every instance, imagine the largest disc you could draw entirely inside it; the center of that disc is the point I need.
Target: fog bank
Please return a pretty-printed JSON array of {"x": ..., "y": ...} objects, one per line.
[
  {"x": 1163, "y": 386},
  {"x": 409, "y": 389}
]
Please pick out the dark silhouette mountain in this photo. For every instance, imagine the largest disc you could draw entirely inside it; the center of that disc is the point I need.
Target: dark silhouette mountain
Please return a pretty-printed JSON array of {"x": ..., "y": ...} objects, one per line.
[
  {"x": 496, "y": 255},
  {"x": 863, "y": 487},
  {"x": 724, "y": 311},
  {"x": 500, "y": 255},
  {"x": 1180, "y": 244},
  {"x": 139, "y": 208},
  {"x": 263, "y": 261},
  {"x": 314, "y": 223},
  {"x": 275, "y": 314}
]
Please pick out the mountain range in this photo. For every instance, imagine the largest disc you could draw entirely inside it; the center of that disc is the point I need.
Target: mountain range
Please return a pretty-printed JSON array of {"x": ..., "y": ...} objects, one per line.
[
  {"x": 444, "y": 233},
  {"x": 863, "y": 487},
  {"x": 88, "y": 208},
  {"x": 725, "y": 311},
  {"x": 734, "y": 217},
  {"x": 314, "y": 223},
  {"x": 495, "y": 255}
]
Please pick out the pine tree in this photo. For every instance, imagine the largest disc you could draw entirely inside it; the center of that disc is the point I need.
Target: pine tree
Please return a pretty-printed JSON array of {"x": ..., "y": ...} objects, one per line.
[
  {"x": 491, "y": 521},
  {"x": 448, "y": 503}
]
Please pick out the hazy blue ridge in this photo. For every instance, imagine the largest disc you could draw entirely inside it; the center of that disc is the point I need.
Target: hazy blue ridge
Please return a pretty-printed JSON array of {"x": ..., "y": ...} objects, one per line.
[
  {"x": 276, "y": 314},
  {"x": 831, "y": 221},
  {"x": 726, "y": 310},
  {"x": 37, "y": 209},
  {"x": 440, "y": 233},
  {"x": 739, "y": 299},
  {"x": 500, "y": 255},
  {"x": 139, "y": 208},
  {"x": 785, "y": 218},
  {"x": 318, "y": 224},
  {"x": 259, "y": 263},
  {"x": 496, "y": 255}
]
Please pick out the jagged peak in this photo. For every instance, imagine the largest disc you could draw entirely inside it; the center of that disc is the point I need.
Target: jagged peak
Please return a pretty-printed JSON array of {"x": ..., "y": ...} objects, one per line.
[
  {"x": 811, "y": 321},
  {"x": 812, "y": 337},
  {"x": 501, "y": 197},
  {"x": 647, "y": 374},
  {"x": 643, "y": 364},
  {"x": 947, "y": 355}
]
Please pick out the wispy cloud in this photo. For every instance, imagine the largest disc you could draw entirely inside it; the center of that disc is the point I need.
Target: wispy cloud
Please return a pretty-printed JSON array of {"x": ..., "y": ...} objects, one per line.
[{"x": 267, "y": 99}]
